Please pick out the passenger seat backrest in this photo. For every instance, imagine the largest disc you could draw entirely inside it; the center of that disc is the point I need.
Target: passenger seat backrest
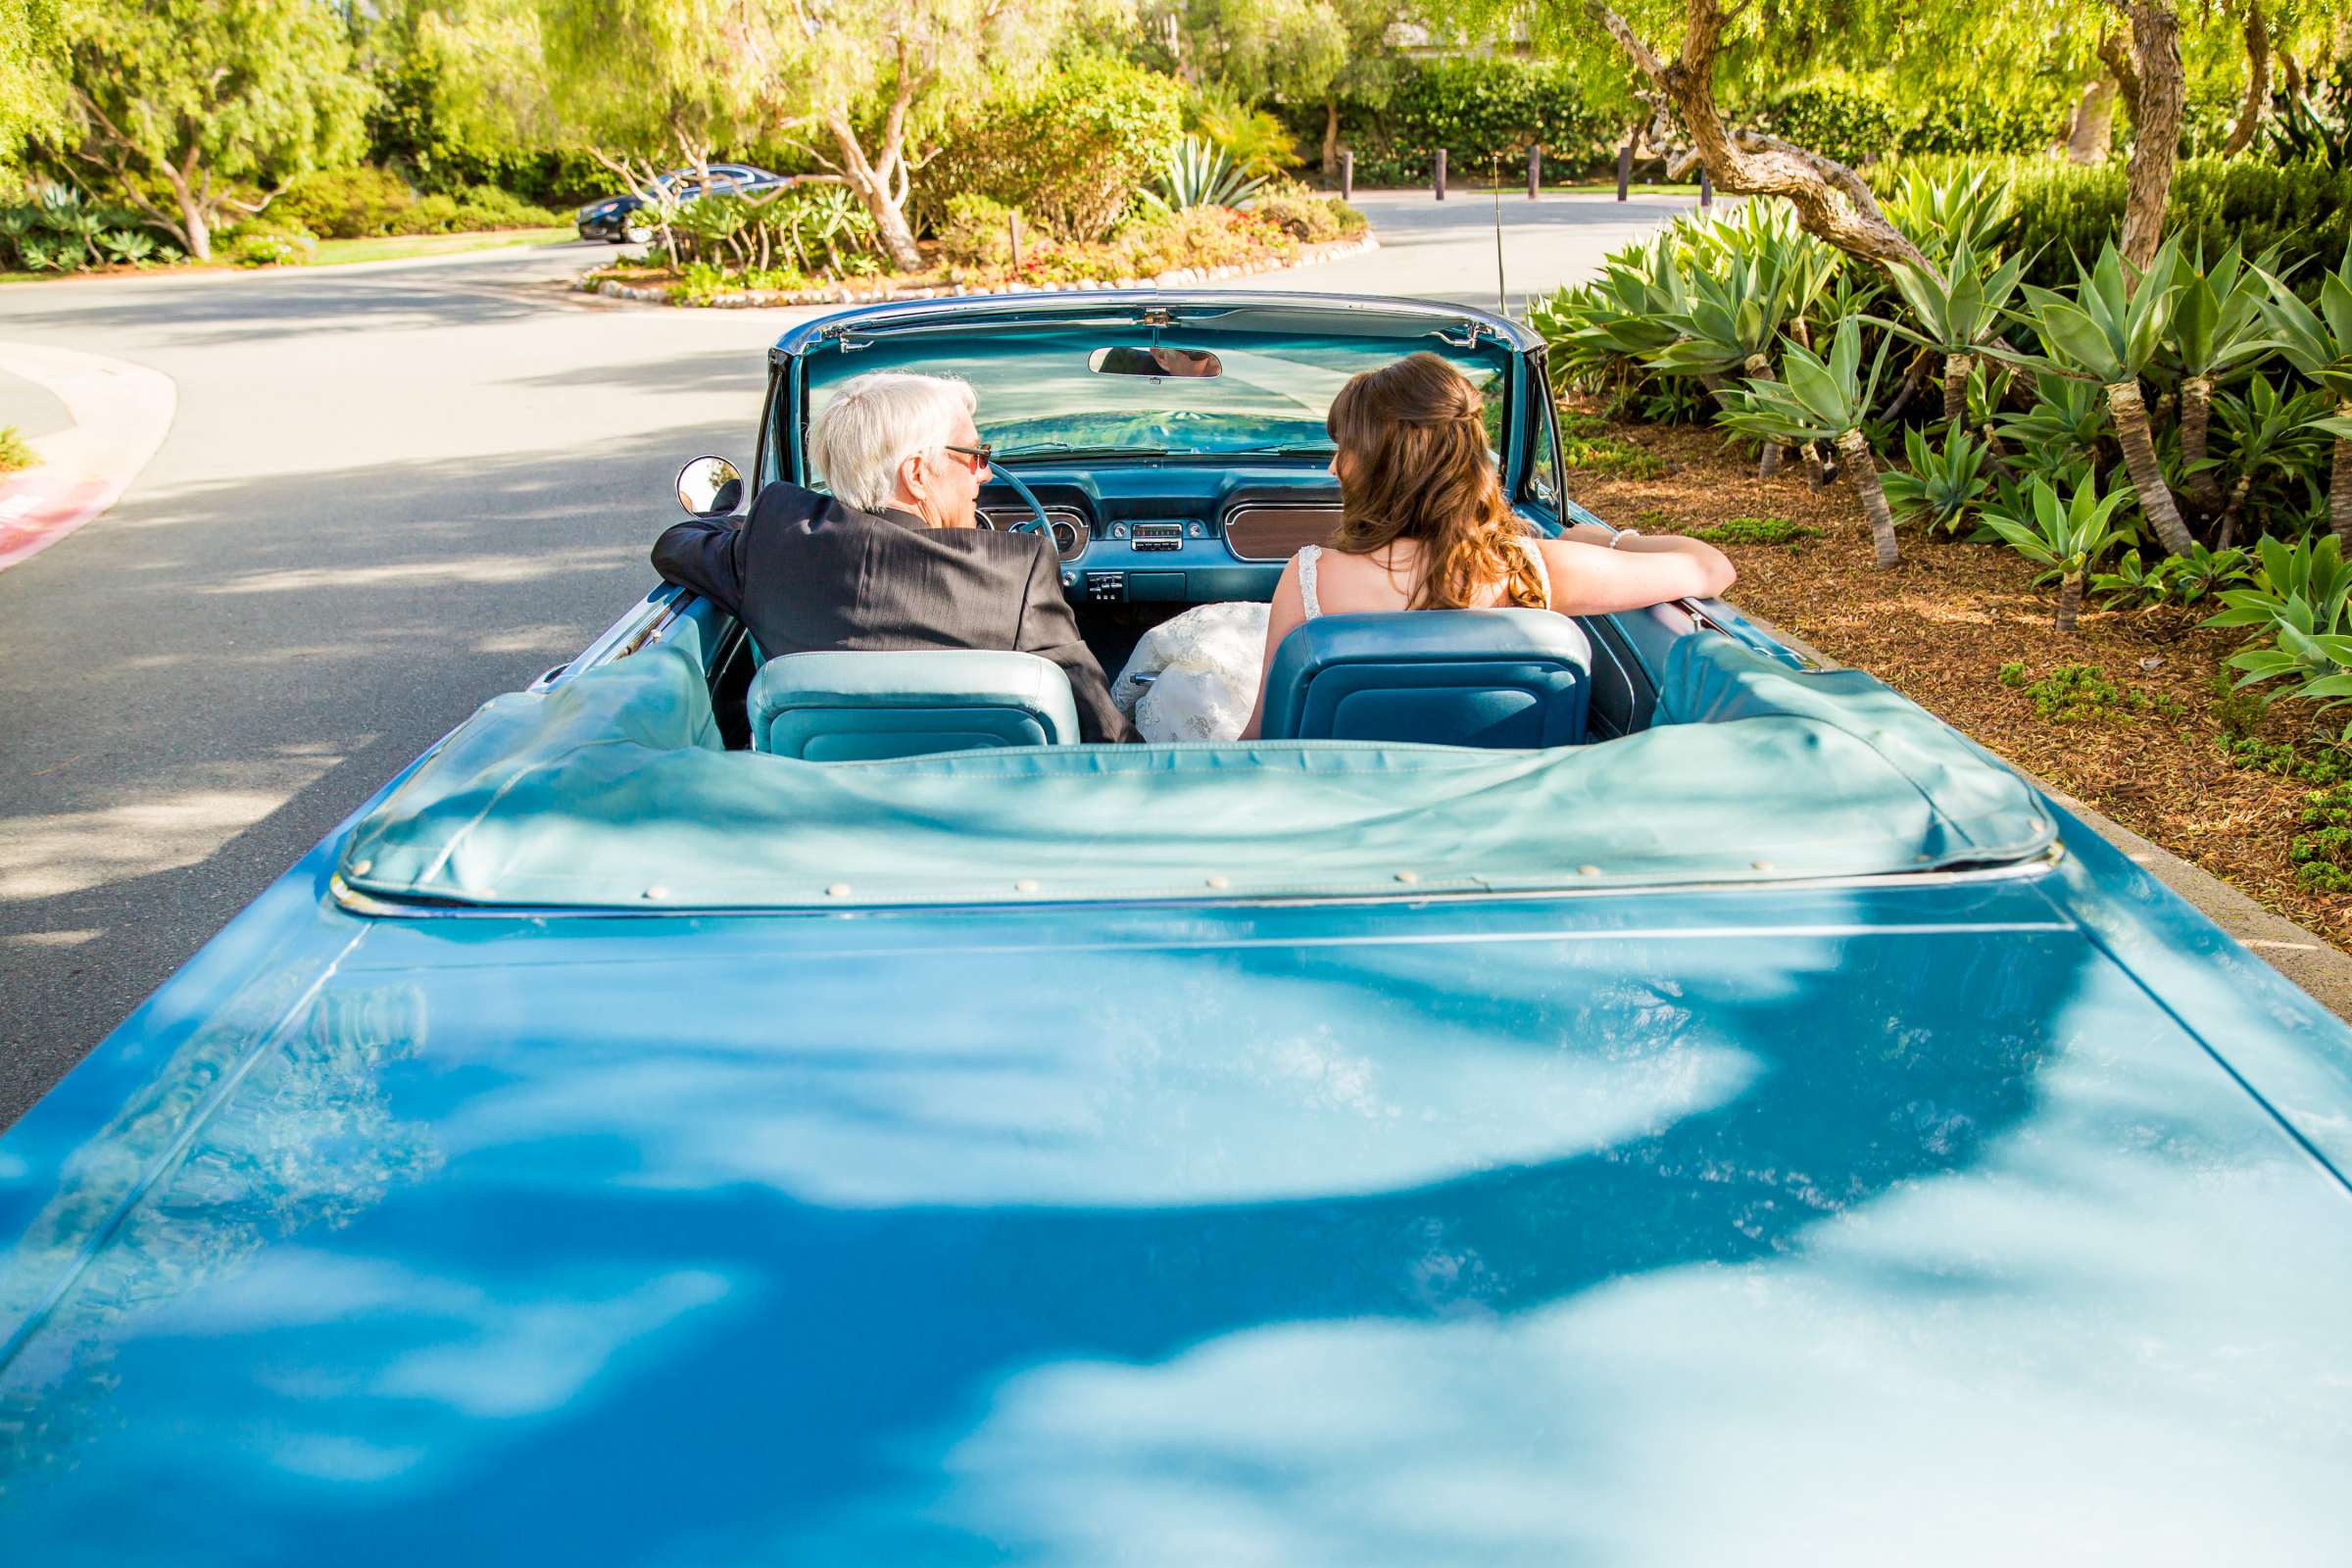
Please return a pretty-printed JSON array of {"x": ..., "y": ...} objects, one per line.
[
  {"x": 867, "y": 707},
  {"x": 1448, "y": 677}
]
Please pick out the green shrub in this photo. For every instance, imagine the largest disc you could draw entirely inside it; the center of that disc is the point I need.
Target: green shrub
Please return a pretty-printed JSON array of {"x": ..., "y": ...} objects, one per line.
[
  {"x": 1848, "y": 119},
  {"x": 2326, "y": 766},
  {"x": 2323, "y": 856},
  {"x": 272, "y": 245},
  {"x": 1479, "y": 111},
  {"x": 1256, "y": 140},
  {"x": 345, "y": 203},
  {"x": 2075, "y": 692},
  {"x": 1069, "y": 148},
  {"x": 1307, "y": 215},
  {"x": 977, "y": 231},
  {"x": 16, "y": 453}
]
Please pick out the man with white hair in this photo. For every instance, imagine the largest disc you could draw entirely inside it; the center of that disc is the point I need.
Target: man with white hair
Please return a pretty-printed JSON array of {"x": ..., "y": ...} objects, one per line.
[{"x": 892, "y": 558}]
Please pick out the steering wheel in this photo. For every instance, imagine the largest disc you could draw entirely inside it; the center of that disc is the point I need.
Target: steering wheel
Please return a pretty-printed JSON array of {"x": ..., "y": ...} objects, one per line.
[{"x": 1037, "y": 514}]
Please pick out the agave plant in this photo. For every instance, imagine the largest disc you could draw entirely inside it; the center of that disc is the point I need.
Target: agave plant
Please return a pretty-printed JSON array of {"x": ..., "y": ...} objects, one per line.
[
  {"x": 2202, "y": 573},
  {"x": 1728, "y": 326},
  {"x": 2069, "y": 537},
  {"x": 1826, "y": 400},
  {"x": 2133, "y": 584},
  {"x": 1941, "y": 486},
  {"x": 1610, "y": 326},
  {"x": 50, "y": 253},
  {"x": 1198, "y": 174},
  {"x": 2265, "y": 432},
  {"x": 128, "y": 246},
  {"x": 2108, "y": 332},
  {"x": 1958, "y": 305},
  {"x": 2318, "y": 343},
  {"x": 2218, "y": 332},
  {"x": 1942, "y": 217},
  {"x": 2310, "y": 571}
]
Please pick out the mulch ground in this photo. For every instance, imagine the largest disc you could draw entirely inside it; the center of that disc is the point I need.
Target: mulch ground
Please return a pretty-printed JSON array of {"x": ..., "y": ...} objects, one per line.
[{"x": 1940, "y": 626}]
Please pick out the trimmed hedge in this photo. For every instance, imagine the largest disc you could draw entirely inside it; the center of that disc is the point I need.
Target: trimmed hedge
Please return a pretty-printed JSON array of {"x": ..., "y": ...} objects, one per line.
[
  {"x": 1858, "y": 118},
  {"x": 1477, "y": 110}
]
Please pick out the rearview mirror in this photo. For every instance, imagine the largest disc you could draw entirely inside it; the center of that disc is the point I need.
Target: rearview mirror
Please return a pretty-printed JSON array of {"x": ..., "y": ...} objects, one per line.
[
  {"x": 709, "y": 487},
  {"x": 1157, "y": 360}
]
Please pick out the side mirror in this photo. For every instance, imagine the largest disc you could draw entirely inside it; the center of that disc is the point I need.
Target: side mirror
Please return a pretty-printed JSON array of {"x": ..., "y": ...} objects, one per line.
[{"x": 709, "y": 487}]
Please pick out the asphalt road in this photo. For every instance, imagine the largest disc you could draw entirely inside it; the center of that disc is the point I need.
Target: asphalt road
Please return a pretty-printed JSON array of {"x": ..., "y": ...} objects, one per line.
[{"x": 389, "y": 493}]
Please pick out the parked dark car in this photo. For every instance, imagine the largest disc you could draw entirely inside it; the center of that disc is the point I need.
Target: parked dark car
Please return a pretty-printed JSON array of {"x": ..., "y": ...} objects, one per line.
[{"x": 616, "y": 218}]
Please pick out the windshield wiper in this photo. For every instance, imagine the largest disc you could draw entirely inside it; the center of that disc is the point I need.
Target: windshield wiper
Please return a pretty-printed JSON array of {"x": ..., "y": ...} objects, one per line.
[
  {"x": 1063, "y": 449},
  {"x": 1311, "y": 449}
]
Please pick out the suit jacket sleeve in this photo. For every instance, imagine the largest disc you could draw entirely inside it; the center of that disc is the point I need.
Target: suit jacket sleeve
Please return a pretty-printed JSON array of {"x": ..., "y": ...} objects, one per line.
[
  {"x": 1049, "y": 631},
  {"x": 705, "y": 556}
]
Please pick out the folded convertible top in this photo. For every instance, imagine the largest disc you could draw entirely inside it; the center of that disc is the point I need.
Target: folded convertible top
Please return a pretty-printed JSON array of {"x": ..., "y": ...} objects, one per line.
[{"x": 611, "y": 790}]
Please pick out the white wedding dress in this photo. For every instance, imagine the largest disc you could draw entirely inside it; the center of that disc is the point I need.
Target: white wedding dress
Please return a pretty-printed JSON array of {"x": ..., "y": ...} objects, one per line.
[{"x": 1193, "y": 676}]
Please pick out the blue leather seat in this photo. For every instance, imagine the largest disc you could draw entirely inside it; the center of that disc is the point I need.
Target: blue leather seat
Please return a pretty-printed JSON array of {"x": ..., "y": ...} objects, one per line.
[
  {"x": 1448, "y": 677},
  {"x": 858, "y": 708}
]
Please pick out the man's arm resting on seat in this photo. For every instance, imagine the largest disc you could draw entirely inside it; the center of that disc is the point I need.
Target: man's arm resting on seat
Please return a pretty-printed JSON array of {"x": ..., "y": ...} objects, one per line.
[
  {"x": 705, "y": 556},
  {"x": 1051, "y": 631}
]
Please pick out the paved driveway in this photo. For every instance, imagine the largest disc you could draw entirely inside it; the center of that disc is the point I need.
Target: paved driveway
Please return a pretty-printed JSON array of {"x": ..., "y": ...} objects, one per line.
[{"x": 389, "y": 493}]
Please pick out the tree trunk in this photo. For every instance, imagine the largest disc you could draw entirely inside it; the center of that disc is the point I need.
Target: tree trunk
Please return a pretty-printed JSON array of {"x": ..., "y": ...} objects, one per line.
[
  {"x": 1955, "y": 386},
  {"x": 2237, "y": 498},
  {"x": 1865, "y": 471},
  {"x": 2159, "y": 92},
  {"x": 2258, "y": 82},
  {"x": 1759, "y": 368},
  {"x": 872, "y": 181},
  {"x": 1331, "y": 139},
  {"x": 2147, "y": 475},
  {"x": 2094, "y": 130},
  {"x": 1832, "y": 200},
  {"x": 2339, "y": 482},
  {"x": 195, "y": 234},
  {"x": 2196, "y": 421},
  {"x": 2070, "y": 599}
]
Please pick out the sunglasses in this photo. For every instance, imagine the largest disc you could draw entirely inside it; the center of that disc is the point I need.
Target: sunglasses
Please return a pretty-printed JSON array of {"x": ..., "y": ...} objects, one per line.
[{"x": 982, "y": 455}]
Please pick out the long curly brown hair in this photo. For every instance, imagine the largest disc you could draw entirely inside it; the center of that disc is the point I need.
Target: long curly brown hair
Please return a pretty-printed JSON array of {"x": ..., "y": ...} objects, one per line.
[{"x": 1414, "y": 465}]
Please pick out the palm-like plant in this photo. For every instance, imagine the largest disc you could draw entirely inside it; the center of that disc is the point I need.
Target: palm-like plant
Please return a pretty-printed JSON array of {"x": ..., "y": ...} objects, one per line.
[
  {"x": 1943, "y": 215},
  {"x": 2318, "y": 343},
  {"x": 1607, "y": 329},
  {"x": 1826, "y": 400},
  {"x": 2267, "y": 431},
  {"x": 1728, "y": 324},
  {"x": 2108, "y": 332},
  {"x": 2069, "y": 537},
  {"x": 2312, "y": 571},
  {"x": 1941, "y": 486},
  {"x": 1198, "y": 174},
  {"x": 1958, "y": 305},
  {"x": 2218, "y": 332}
]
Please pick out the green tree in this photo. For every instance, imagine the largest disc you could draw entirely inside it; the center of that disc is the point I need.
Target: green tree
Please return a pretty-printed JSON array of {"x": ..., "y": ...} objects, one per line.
[
  {"x": 1826, "y": 400},
  {"x": 201, "y": 101},
  {"x": 32, "y": 74},
  {"x": 2318, "y": 343},
  {"x": 864, "y": 78},
  {"x": 2069, "y": 537}
]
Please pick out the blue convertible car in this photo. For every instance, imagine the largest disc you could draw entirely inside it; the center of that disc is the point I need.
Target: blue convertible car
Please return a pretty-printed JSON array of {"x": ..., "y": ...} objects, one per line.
[{"x": 1580, "y": 1091}]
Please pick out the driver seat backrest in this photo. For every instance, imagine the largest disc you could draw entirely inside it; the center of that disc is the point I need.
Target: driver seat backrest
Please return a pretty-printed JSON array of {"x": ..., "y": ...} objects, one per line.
[
  {"x": 1502, "y": 678},
  {"x": 869, "y": 707}
]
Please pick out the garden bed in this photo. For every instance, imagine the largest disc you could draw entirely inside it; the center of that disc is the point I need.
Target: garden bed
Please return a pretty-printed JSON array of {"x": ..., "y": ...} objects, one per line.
[
  {"x": 1960, "y": 629},
  {"x": 942, "y": 280}
]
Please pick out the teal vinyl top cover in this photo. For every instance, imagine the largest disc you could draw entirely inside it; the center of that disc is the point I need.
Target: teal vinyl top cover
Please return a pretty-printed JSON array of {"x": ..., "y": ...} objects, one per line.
[{"x": 611, "y": 789}]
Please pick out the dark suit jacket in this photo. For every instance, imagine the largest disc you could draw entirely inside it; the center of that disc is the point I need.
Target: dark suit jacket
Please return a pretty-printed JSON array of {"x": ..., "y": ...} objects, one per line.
[{"x": 807, "y": 574}]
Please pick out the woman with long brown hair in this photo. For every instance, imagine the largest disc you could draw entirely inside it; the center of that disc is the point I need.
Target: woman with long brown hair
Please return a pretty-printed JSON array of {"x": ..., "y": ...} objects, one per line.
[{"x": 1424, "y": 523}]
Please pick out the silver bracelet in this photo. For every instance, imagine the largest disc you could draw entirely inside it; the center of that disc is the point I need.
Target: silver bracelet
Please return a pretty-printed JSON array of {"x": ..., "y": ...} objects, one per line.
[{"x": 1622, "y": 534}]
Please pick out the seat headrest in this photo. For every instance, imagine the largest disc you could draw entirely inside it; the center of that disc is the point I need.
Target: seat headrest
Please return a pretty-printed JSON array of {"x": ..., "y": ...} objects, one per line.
[
  {"x": 1461, "y": 677},
  {"x": 843, "y": 706}
]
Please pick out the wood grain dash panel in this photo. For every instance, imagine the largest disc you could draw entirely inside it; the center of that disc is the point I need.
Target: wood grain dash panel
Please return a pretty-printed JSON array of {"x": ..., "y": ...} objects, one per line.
[{"x": 1259, "y": 532}]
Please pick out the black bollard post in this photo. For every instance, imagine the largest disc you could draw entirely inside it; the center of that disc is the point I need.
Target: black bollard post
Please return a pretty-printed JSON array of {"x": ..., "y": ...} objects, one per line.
[
  {"x": 1707, "y": 188},
  {"x": 1535, "y": 171},
  {"x": 1441, "y": 174},
  {"x": 1625, "y": 168},
  {"x": 1348, "y": 173}
]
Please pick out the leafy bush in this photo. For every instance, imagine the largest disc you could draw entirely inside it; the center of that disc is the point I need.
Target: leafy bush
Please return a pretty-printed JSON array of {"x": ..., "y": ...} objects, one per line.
[
  {"x": 1305, "y": 215},
  {"x": 345, "y": 203},
  {"x": 16, "y": 453},
  {"x": 2073, "y": 693},
  {"x": 59, "y": 230},
  {"x": 1839, "y": 117},
  {"x": 1943, "y": 486},
  {"x": 272, "y": 245},
  {"x": 1479, "y": 111},
  {"x": 977, "y": 231},
  {"x": 1758, "y": 531},
  {"x": 1069, "y": 148},
  {"x": 1256, "y": 140},
  {"x": 818, "y": 231}
]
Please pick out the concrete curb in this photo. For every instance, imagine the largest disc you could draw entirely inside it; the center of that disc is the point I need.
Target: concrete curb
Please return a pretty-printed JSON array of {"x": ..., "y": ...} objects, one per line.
[
  {"x": 121, "y": 414},
  {"x": 2322, "y": 969},
  {"x": 852, "y": 294}
]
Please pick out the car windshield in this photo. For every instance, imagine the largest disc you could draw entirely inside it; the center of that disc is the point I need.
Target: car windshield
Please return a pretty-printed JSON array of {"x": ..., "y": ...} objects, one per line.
[{"x": 1038, "y": 394}]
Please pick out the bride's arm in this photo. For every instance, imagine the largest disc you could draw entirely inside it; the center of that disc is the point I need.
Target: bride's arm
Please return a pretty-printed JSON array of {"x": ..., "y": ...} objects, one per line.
[
  {"x": 1591, "y": 578},
  {"x": 1287, "y": 613}
]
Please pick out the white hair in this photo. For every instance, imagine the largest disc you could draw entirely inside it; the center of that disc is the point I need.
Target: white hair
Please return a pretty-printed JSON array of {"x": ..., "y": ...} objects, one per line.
[{"x": 877, "y": 421}]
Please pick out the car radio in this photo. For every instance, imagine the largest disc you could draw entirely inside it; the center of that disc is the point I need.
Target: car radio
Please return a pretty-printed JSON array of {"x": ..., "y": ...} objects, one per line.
[{"x": 1156, "y": 536}]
